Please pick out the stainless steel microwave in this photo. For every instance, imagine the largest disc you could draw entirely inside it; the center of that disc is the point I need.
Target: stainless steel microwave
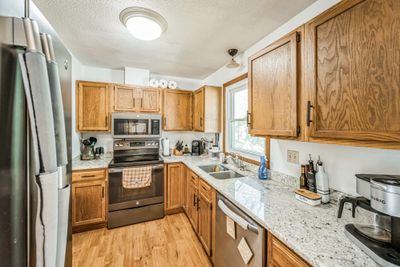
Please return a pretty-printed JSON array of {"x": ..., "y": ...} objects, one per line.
[{"x": 135, "y": 125}]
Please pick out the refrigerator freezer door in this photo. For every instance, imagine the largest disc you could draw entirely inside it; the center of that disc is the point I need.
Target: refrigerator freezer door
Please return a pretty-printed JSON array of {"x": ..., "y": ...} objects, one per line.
[
  {"x": 13, "y": 162},
  {"x": 40, "y": 110}
]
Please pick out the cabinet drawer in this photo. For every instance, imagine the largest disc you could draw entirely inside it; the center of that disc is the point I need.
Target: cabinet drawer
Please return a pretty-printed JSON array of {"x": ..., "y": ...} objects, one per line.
[
  {"x": 280, "y": 255},
  {"x": 89, "y": 175},
  {"x": 205, "y": 190},
  {"x": 194, "y": 179}
]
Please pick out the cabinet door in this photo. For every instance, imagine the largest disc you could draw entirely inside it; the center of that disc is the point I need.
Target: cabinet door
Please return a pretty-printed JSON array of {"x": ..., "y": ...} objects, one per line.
[
  {"x": 185, "y": 172},
  {"x": 279, "y": 255},
  {"x": 192, "y": 211},
  {"x": 353, "y": 71},
  {"x": 205, "y": 223},
  {"x": 273, "y": 85},
  {"x": 177, "y": 110},
  {"x": 198, "y": 110},
  {"x": 150, "y": 101},
  {"x": 174, "y": 185},
  {"x": 126, "y": 98},
  {"x": 93, "y": 110},
  {"x": 88, "y": 203}
]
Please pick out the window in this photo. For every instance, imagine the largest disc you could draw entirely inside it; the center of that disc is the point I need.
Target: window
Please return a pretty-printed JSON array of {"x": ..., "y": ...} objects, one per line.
[{"x": 238, "y": 139}]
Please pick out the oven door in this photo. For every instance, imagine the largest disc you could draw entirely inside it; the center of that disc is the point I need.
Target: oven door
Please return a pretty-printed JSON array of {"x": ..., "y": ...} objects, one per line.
[
  {"x": 135, "y": 125},
  {"x": 121, "y": 198}
]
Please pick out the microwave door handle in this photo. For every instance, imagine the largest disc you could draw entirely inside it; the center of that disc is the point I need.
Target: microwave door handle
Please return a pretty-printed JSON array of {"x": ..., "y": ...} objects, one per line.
[{"x": 236, "y": 218}]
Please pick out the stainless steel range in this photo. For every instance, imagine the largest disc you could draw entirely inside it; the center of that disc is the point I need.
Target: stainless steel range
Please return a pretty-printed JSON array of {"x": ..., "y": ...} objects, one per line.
[{"x": 132, "y": 205}]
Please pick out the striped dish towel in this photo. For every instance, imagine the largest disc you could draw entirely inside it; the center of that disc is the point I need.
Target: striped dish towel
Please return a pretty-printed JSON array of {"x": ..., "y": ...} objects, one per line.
[{"x": 138, "y": 177}]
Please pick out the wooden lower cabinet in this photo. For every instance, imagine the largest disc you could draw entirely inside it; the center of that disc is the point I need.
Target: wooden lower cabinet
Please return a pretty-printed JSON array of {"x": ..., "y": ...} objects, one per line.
[
  {"x": 173, "y": 194},
  {"x": 205, "y": 207},
  {"x": 89, "y": 205},
  {"x": 279, "y": 255},
  {"x": 201, "y": 209}
]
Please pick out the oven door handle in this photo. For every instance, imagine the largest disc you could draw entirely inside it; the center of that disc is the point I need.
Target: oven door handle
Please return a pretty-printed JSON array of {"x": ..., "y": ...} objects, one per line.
[{"x": 117, "y": 170}]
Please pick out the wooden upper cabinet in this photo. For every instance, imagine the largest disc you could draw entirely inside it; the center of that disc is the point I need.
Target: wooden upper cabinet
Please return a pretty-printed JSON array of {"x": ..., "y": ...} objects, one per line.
[
  {"x": 177, "y": 110},
  {"x": 136, "y": 99},
  {"x": 198, "y": 110},
  {"x": 150, "y": 100},
  {"x": 353, "y": 71},
  {"x": 92, "y": 106},
  {"x": 207, "y": 109},
  {"x": 126, "y": 98},
  {"x": 273, "y": 88}
]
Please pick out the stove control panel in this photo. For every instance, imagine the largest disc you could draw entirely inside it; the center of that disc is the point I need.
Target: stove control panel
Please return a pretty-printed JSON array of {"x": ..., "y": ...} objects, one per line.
[{"x": 136, "y": 144}]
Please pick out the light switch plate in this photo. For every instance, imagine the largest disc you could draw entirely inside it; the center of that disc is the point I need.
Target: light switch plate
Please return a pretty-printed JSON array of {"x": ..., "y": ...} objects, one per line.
[{"x": 293, "y": 156}]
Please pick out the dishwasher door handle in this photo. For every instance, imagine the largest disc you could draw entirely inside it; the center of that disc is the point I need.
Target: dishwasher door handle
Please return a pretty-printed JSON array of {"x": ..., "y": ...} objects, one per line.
[{"x": 236, "y": 218}]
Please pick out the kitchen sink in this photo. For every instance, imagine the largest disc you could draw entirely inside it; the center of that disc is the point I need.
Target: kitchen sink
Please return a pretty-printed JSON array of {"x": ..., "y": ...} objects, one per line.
[
  {"x": 213, "y": 168},
  {"x": 226, "y": 175}
]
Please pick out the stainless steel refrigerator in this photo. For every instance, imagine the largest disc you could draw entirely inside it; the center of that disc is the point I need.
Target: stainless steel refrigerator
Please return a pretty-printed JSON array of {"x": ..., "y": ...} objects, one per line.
[{"x": 35, "y": 119}]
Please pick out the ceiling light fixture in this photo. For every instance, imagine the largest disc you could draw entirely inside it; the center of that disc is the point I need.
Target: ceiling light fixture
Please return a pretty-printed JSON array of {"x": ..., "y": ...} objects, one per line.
[
  {"x": 143, "y": 23},
  {"x": 233, "y": 64}
]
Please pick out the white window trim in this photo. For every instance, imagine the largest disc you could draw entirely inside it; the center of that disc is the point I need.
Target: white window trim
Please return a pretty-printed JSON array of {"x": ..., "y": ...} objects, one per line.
[{"x": 240, "y": 85}]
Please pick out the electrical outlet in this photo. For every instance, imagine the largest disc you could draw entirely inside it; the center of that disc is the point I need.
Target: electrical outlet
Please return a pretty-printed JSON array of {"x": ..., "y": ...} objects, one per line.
[{"x": 293, "y": 156}]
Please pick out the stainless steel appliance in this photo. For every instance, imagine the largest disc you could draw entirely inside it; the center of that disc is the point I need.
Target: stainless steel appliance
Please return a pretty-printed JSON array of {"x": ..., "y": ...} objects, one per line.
[
  {"x": 34, "y": 168},
  {"x": 136, "y": 125},
  {"x": 198, "y": 147},
  {"x": 242, "y": 228},
  {"x": 380, "y": 238},
  {"x": 128, "y": 206}
]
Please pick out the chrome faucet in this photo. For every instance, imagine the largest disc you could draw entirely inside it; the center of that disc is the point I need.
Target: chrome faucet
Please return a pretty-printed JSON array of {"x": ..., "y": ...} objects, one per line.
[{"x": 239, "y": 163}]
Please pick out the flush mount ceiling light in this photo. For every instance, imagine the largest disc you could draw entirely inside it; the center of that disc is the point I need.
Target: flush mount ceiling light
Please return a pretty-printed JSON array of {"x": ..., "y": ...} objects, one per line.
[
  {"x": 232, "y": 64},
  {"x": 143, "y": 23}
]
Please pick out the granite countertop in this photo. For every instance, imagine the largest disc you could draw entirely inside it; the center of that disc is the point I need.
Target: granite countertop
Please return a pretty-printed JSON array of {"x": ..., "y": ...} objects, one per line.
[
  {"x": 315, "y": 233},
  {"x": 78, "y": 164}
]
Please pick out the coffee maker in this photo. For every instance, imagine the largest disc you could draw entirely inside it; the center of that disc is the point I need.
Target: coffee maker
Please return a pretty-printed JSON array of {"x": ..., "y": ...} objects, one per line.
[
  {"x": 379, "y": 237},
  {"x": 198, "y": 147}
]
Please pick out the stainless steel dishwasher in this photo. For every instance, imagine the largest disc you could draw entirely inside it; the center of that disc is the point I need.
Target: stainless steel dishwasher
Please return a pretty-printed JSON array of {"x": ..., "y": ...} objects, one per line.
[{"x": 234, "y": 230}]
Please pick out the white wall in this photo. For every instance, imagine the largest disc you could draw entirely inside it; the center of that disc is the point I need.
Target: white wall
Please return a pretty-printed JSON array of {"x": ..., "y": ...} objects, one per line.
[
  {"x": 89, "y": 73},
  {"x": 341, "y": 162},
  {"x": 183, "y": 83},
  {"x": 76, "y": 75}
]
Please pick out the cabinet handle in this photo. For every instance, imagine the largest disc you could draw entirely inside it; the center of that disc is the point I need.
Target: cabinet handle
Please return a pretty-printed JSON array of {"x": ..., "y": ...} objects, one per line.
[
  {"x": 198, "y": 203},
  {"x": 88, "y": 176},
  {"x": 165, "y": 121},
  {"x": 102, "y": 192},
  {"x": 248, "y": 119},
  {"x": 309, "y": 107},
  {"x": 194, "y": 199},
  {"x": 201, "y": 122},
  {"x": 106, "y": 119}
]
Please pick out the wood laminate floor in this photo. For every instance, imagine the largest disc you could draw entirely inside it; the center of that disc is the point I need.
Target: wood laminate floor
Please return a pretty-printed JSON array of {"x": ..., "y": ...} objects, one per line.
[{"x": 170, "y": 241}]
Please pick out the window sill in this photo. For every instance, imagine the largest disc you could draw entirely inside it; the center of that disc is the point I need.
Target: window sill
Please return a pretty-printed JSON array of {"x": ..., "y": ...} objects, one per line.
[{"x": 245, "y": 157}]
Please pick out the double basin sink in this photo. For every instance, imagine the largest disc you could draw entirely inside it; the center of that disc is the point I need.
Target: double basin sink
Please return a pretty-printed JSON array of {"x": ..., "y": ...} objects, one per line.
[{"x": 219, "y": 171}]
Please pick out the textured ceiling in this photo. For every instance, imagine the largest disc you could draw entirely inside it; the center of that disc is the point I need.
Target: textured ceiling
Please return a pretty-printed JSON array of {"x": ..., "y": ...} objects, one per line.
[{"x": 194, "y": 45}]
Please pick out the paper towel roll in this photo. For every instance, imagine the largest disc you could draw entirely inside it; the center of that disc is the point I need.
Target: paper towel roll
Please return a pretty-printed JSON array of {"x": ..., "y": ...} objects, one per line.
[{"x": 165, "y": 147}]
